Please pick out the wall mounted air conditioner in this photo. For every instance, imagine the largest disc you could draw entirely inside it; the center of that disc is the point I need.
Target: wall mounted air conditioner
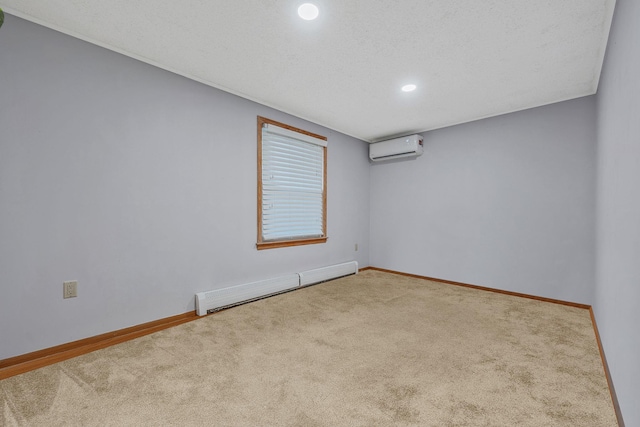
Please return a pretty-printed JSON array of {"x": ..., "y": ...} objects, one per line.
[{"x": 407, "y": 146}]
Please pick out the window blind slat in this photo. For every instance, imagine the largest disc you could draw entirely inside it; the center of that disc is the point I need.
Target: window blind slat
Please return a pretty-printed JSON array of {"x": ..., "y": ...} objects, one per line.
[
  {"x": 313, "y": 161},
  {"x": 289, "y": 174},
  {"x": 290, "y": 145}
]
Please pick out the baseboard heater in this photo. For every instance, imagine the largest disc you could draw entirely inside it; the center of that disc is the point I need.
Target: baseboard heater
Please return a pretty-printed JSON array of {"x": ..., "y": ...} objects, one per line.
[
  {"x": 217, "y": 299},
  {"x": 311, "y": 277}
]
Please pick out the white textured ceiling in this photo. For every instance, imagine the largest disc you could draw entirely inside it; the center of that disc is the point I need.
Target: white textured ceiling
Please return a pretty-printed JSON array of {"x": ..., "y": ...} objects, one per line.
[{"x": 470, "y": 58}]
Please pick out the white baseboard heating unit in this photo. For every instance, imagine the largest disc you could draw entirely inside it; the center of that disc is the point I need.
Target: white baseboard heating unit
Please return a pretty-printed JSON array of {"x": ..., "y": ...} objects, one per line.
[
  {"x": 210, "y": 301},
  {"x": 326, "y": 273}
]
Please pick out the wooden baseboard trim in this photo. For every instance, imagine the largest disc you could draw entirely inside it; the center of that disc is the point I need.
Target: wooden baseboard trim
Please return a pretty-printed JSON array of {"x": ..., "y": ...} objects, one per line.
[
  {"x": 483, "y": 288},
  {"x": 612, "y": 390},
  {"x": 48, "y": 356}
]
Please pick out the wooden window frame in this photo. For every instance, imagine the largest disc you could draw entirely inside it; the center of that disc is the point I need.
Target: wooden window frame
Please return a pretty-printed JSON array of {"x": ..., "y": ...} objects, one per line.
[{"x": 261, "y": 244}]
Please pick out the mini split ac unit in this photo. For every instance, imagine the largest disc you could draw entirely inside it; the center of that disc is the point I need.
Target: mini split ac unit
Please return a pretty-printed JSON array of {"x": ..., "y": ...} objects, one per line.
[{"x": 407, "y": 146}]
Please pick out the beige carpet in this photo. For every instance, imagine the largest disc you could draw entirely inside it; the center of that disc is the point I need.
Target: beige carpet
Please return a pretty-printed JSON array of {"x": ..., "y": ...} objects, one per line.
[{"x": 375, "y": 349}]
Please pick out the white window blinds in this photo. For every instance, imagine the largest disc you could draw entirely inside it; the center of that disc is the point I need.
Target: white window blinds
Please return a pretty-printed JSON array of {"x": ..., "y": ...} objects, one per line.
[{"x": 292, "y": 185}]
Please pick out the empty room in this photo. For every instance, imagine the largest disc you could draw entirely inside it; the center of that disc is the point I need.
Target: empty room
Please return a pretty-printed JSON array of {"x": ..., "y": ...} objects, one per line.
[{"x": 279, "y": 213}]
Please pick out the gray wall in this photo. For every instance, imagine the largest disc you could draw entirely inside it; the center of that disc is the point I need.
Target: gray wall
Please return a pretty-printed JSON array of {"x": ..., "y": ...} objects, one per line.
[
  {"x": 506, "y": 202},
  {"x": 618, "y": 231},
  {"x": 141, "y": 185}
]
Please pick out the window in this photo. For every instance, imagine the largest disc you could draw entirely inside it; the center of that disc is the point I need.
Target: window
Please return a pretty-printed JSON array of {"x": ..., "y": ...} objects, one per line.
[{"x": 292, "y": 186}]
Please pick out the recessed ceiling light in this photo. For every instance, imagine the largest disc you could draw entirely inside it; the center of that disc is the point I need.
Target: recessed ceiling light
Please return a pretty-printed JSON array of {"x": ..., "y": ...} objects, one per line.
[
  {"x": 408, "y": 88},
  {"x": 308, "y": 11}
]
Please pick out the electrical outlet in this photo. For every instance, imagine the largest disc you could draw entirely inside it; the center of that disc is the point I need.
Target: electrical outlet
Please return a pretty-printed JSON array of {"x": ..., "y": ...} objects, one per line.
[{"x": 70, "y": 289}]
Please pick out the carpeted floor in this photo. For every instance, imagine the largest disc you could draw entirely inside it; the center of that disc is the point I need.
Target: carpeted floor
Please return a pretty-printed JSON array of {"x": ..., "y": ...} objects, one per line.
[{"x": 376, "y": 349}]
